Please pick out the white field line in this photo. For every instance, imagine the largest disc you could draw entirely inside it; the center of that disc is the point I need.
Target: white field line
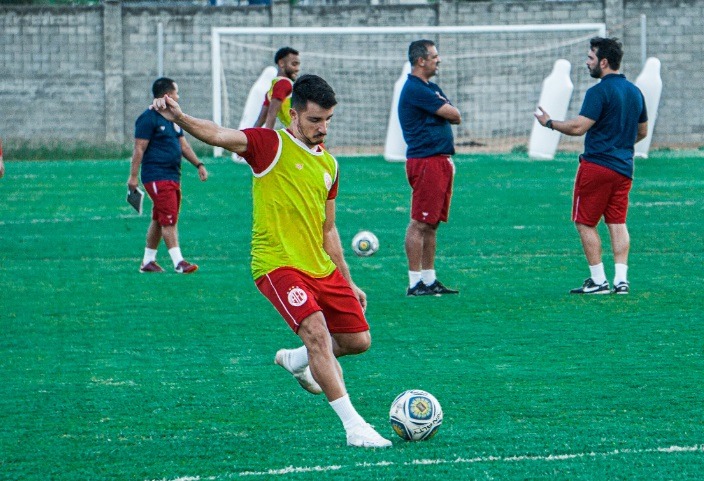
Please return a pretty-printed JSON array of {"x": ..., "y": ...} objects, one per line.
[
  {"x": 668, "y": 203},
  {"x": 66, "y": 220},
  {"x": 697, "y": 448}
]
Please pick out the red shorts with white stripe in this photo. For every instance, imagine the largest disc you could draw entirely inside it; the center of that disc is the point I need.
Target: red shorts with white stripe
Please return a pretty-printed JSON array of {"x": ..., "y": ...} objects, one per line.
[
  {"x": 430, "y": 179},
  {"x": 166, "y": 197},
  {"x": 598, "y": 192},
  {"x": 297, "y": 295}
]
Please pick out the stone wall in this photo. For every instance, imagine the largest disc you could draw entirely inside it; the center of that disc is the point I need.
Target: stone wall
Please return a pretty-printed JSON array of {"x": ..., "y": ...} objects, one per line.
[{"x": 84, "y": 73}]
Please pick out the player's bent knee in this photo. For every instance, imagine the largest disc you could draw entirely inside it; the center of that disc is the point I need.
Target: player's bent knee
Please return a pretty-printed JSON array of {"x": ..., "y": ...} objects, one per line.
[
  {"x": 314, "y": 333},
  {"x": 354, "y": 343}
]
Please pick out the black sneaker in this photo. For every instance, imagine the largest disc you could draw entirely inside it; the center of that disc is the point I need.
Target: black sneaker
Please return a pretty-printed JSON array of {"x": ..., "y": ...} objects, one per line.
[
  {"x": 622, "y": 288},
  {"x": 438, "y": 289},
  {"x": 419, "y": 289},
  {"x": 590, "y": 287}
]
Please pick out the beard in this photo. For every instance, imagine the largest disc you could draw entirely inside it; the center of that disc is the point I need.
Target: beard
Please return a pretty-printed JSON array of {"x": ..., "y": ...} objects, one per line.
[
  {"x": 314, "y": 140},
  {"x": 596, "y": 71}
]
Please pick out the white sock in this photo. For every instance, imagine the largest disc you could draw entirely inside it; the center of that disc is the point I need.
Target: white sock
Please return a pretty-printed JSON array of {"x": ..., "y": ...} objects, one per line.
[
  {"x": 413, "y": 278},
  {"x": 176, "y": 257},
  {"x": 149, "y": 256},
  {"x": 428, "y": 276},
  {"x": 298, "y": 358},
  {"x": 347, "y": 413},
  {"x": 597, "y": 273},
  {"x": 621, "y": 272}
]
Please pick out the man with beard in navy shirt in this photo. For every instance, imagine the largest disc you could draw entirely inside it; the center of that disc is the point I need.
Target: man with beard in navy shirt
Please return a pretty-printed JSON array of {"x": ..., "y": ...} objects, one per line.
[{"x": 614, "y": 117}]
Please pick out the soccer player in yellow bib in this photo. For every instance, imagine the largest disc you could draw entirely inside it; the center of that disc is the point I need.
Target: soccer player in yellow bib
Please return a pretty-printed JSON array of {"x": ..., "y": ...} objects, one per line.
[
  {"x": 297, "y": 258},
  {"x": 277, "y": 102}
]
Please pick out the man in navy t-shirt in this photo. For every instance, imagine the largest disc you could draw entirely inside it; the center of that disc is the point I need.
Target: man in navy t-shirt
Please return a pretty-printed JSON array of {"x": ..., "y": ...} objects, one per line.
[
  {"x": 614, "y": 117},
  {"x": 425, "y": 115},
  {"x": 158, "y": 147}
]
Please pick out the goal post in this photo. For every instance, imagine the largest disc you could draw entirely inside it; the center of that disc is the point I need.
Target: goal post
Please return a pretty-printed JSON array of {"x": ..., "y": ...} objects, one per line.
[{"x": 492, "y": 74}]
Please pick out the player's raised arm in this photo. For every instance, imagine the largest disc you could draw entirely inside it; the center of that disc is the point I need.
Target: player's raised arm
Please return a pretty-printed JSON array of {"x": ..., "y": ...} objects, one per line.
[{"x": 205, "y": 130}]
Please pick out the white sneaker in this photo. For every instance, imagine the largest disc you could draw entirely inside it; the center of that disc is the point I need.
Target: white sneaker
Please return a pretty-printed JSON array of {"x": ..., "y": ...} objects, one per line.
[
  {"x": 364, "y": 436},
  {"x": 303, "y": 376}
]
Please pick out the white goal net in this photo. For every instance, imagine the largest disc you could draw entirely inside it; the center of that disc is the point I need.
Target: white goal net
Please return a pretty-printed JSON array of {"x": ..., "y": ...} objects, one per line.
[{"x": 492, "y": 74}]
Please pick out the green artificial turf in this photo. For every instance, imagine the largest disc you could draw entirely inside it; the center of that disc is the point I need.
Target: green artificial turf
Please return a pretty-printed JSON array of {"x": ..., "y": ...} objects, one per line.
[{"x": 106, "y": 373}]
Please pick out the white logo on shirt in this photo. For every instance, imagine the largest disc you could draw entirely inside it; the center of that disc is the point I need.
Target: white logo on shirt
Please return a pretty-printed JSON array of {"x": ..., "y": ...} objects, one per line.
[
  {"x": 162, "y": 127},
  {"x": 297, "y": 296},
  {"x": 177, "y": 128},
  {"x": 328, "y": 181}
]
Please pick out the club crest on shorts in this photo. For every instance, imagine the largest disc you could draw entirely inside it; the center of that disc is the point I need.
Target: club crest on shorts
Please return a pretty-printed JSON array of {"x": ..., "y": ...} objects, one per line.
[
  {"x": 328, "y": 181},
  {"x": 297, "y": 296}
]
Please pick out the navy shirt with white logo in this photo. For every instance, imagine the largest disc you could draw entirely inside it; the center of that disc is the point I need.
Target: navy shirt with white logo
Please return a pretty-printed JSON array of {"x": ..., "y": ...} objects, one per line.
[
  {"x": 425, "y": 133},
  {"x": 162, "y": 159},
  {"x": 617, "y": 106}
]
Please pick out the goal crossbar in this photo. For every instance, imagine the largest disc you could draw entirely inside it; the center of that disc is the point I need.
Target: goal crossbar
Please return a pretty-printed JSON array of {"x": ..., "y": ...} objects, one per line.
[{"x": 218, "y": 32}]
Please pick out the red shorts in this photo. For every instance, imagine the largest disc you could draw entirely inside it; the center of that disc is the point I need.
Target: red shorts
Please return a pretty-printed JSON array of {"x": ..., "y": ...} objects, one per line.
[
  {"x": 431, "y": 181},
  {"x": 166, "y": 196},
  {"x": 598, "y": 192},
  {"x": 297, "y": 295}
]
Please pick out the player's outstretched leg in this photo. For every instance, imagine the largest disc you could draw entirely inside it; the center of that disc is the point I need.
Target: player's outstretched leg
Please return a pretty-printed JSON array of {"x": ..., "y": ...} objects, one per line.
[
  {"x": 365, "y": 436},
  {"x": 291, "y": 360},
  {"x": 320, "y": 352},
  {"x": 359, "y": 432}
]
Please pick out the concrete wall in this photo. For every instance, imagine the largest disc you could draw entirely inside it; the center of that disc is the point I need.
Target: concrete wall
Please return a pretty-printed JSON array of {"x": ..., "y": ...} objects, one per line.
[
  {"x": 676, "y": 37},
  {"x": 51, "y": 74},
  {"x": 187, "y": 35},
  {"x": 84, "y": 73}
]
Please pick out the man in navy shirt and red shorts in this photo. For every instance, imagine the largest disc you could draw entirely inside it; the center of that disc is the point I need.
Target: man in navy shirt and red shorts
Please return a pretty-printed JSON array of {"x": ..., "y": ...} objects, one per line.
[
  {"x": 614, "y": 117},
  {"x": 159, "y": 145},
  {"x": 425, "y": 115}
]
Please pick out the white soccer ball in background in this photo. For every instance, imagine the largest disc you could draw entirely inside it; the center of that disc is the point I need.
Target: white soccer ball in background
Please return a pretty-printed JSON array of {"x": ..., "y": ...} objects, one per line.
[
  {"x": 365, "y": 243},
  {"x": 415, "y": 415}
]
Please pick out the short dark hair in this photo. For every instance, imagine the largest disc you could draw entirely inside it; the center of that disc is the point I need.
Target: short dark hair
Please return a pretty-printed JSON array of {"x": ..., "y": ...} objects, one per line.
[
  {"x": 418, "y": 50},
  {"x": 610, "y": 49},
  {"x": 283, "y": 52},
  {"x": 311, "y": 88},
  {"x": 163, "y": 86}
]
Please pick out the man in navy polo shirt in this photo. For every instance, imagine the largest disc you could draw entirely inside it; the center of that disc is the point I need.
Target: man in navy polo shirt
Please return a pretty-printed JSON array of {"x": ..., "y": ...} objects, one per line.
[
  {"x": 425, "y": 115},
  {"x": 158, "y": 147},
  {"x": 614, "y": 118}
]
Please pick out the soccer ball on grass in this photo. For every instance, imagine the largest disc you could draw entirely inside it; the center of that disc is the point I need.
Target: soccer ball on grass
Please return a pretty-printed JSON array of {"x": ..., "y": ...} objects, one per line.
[
  {"x": 415, "y": 415},
  {"x": 365, "y": 243}
]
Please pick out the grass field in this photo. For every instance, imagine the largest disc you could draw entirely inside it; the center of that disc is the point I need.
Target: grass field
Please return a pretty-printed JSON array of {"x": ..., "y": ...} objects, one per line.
[{"x": 109, "y": 374}]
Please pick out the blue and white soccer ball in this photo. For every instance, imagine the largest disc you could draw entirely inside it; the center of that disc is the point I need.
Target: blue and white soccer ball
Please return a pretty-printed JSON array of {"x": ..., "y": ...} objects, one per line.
[
  {"x": 365, "y": 243},
  {"x": 415, "y": 415}
]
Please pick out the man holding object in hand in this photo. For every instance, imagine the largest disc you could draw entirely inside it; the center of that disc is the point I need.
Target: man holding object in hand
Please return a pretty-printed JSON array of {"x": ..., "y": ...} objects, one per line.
[{"x": 159, "y": 145}]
